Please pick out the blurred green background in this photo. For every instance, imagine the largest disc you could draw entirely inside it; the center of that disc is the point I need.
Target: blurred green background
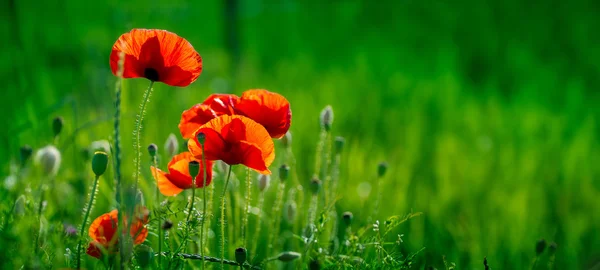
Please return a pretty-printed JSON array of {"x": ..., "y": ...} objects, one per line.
[{"x": 486, "y": 111}]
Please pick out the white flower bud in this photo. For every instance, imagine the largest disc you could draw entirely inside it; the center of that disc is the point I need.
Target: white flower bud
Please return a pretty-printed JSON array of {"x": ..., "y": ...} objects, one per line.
[
  {"x": 49, "y": 159},
  {"x": 290, "y": 212},
  {"x": 327, "y": 117},
  {"x": 171, "y": 145}
]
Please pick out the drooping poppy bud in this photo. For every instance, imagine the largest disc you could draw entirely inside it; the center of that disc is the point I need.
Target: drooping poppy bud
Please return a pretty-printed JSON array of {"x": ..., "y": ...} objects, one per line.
[
  {"x": 339, "y": 144},
  {"x": 99, "y": 163},
  {"x": 57, "y": 125},
  {"x": 152, "y": 148},
  {"x": 171, "y": 145},
  {"x": 240, "y": 255},
  {"x": 263, "y": 181},
  {"x": 284, "y": 171},
  {"x": 381, "y": 169},
  {"x": 49, "y": 159},
  {"x": 327, "y": 117},
  {"x": 288, "y": 256}
]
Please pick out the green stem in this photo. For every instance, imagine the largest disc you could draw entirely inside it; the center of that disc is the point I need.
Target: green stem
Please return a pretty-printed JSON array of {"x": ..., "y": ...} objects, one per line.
[
  {"x": 117, "y": 155},
  {"x": 205, "y": 176},
  {"x": 217, "y": 260},
  {"x": 261, "y": 202},
  {"x": 158, "y": 217},
  {"x": 136, "y": 133},
  {"x": 39, "y": 212},
  {"x": 187, "y": 231},
  {"x": 223, "y": 217},
  {"x": 276, "y": 215},
  {"x": 85, "y": 218},
  {"x": 247, "y": 209}
]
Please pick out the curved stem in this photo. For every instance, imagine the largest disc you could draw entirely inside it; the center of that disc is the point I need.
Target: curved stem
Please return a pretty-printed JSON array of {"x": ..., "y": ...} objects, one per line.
[
  {"x": 223, "y": 217},
  {"x": 85, "y": 218},
  {"x": 205, "y": 176}
]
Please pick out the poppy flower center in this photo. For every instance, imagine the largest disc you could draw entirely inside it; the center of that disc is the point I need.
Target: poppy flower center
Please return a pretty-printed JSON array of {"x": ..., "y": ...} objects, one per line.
[{"x": 151, "y": 74}]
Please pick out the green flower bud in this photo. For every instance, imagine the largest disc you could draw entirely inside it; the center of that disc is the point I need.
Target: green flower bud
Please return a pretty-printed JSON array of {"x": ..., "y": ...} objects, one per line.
[
  {"x": 172, "y": 145},
  {"x": 290, "y": 211},
  {"x": 57, "y": 125},
  {"x": 381, "y": 169},
  {"x": 327, "y": 117},
  {"x": 144, "y": 255},
  {"x": 288, "y": 256},
  {"x": 99, "y": 163},
  {"x": 347, "y": 217},
  {"x": 284, "y": 171},
  {"x": 194, "y": 168},
  {"x": 315, "y": 185},
  {"x": 339, "y": 144},
  {"x": 263, "y": 181},
  {"x": 152, "y": 148},
  {"x": 25, "y": 152},
  {"x": 201, "y": 137},
  {"x": 240, "y": 255},
  {"x": 540, "y": 246}
]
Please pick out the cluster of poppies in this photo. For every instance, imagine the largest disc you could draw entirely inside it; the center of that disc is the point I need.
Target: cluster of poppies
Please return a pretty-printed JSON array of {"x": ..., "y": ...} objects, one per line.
[{"x": 235, "y": 130}]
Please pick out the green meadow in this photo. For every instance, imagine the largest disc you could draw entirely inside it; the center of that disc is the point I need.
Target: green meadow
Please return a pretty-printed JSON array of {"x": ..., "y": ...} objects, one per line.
[{"x": 486, "y": 114}]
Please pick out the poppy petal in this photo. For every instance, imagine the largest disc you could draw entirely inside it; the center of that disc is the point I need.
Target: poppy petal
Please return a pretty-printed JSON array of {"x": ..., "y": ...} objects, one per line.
[
  {"x": 158, "y": 55},
  {"x": 164, "y": 184},
  {"x": 222, "y": 103},
  {"x": 252, "y": 157},
  {"x": 139, "y": 233},
  {"x": 103, "y": 228},
  {"x": 269, "y": 109},
  {"x": 94, "y": 250},
  {"x": 194, "y": 118}
]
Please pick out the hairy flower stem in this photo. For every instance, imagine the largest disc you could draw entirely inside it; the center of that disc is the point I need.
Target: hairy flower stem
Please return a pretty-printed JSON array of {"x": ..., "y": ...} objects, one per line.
[
  {"x": 319, "y": 152},
  {"x": 39, "y": 213},
  {"x": 247, "y": 208},
  {"x": 261, "y": 202},
  {"x": 85, "y": 217},
  {"x": 159, "y": 215},
  {"x": 117, "y": 151},
  {"x": 205, "y": 176},
  {"x": 276, "y": 216},
  {"x": 223, "y": 217},
  {"x": 137, "y": 134},
  {"x": 325, "y": 174}
]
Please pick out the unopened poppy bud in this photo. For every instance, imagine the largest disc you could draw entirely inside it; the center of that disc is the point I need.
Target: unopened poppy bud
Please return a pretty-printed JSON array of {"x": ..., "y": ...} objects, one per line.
[
  {"x": 171, "y": 145},
  {"x": 201, "y": 137},
  {"x": 144, "y": 255},
  {"x": 315, "y": 185},
  {"x": 152, "y": 148},
  {"x": 288, "y": 256},
  {"x": 194, "y": 167},
  {"x": 540, "y": 246},
  {"x": 49, "y": 159},
  {"x": 290, "y": 212},
  {"x": 339, "y": 144},
  {"x": 240, "y": 255},
  {"x": 286, "y": 140},
  {"x": 381, "y": 169},
  {"x": 314, "y": 265},
  {"x": 552, "y": 248},
  {"x": 19, "y": 208},
  {"x": 99, "y": 163},
  {"x": 263, "y": 181},
  {"x": 57, "y": 125},
  {"x": 167, "y": 225},
  {"x": 327, "y": 117},
  {"x": 284, "y": 171},
  {"x": 347, "y": 217},
  {"x": 25, "y": 152}
]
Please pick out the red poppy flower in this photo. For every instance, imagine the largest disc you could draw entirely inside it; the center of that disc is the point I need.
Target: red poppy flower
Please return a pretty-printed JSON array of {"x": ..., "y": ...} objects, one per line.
[
  {"x": 178, "y": 178},
  {"x": 157, "y": 55},
  {"x": 235, "y": 139},
  {"x": 215, "y": 105},
  {"x": 269, "y": 109},
  {"x": 103, "y": 232}
]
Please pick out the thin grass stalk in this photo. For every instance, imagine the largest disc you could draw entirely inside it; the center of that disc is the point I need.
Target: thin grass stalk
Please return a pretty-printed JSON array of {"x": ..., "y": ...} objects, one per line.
[
  {"x": 85, "y": 218},
  {"x": 319, "y": 152},
  {"x": 276, "y": 216},
  {"x": 312, "y": 213},
  {"x": 36, "y": 245},
  {"x": 205, "y": 176},
  {"x": 117, "y": 152},
  {"x": 223, "y": 217},
  {"x": 138, "y": 129},
  {"x": 378, "y": 198},
  {"x": 261, "y": 202},
  {"x": 209, "y": 212},
  {"x": 247, "y": 208},
  {"x": 159, "y": 215}
]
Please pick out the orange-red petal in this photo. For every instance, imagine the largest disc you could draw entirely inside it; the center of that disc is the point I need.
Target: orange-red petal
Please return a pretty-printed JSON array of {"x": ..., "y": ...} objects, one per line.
[
  {"x": 164, "y": 184},
  {"x": 269, "y": 109},
  {"x": 94, "y": 249},
  {"x": 222, "y": 103},
  {"x": 178, "y": 178},
  {"x": 104, "y": 227},
  {"x": 172, "y": 58},
  {"x": 194, "y": 118}
]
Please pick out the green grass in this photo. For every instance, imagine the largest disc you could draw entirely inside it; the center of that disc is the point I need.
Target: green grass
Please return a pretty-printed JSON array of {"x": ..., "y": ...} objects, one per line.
[{"x": 486, "y": 112}]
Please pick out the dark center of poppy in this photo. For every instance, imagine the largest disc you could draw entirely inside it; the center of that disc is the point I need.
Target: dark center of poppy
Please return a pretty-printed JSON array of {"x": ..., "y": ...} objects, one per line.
[{"x": 151, "y": 74}]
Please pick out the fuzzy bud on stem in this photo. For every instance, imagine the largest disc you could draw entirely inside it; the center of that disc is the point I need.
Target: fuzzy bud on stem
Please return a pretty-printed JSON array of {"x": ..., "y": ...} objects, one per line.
[
  {"x": 99, "y": 163},
  {"x": 201, "y": 137},
  {"x": 327, "y": 118},
  {"x": 381, "y": 169},
  {"x": 49, "y": 159},
  {"x": 347, "y": 217},
  {"x": 171, "y": 145},
  {"x": 194, "y": 168},
  {"x": 152, "y": 148},
  {"x": 339, "y": 144},
  {"x": 315, "y": 185},
  {"x": 288, "y": 256},
  {"x": 284, "y": 171},
  {"x": 240, "y": 255},
  {"x": 57, "y": 125},
  {"x": 263, "y": 181}
]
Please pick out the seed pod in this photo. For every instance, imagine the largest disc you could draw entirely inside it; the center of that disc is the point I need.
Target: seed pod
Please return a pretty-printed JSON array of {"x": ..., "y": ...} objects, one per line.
[
  {"x": 240, "y": 255},
  {"x": 99, "y": 163},
  {"x": 49, "y": 159},
  {"x": 288, "y": 256},
  {"x": 327, "y": 117},
  {"x": 57, "y": 125},
  {"x": 171, "y": 145},
  {"x": 194, "y": 168},
  {"x": 381, "y": 169},
  {"x": 339, "y": 144},
  {"x": 201, "y": 137},
  {"x": 263, "y": 181},
  {"x": 284, "y": 171},
  {"x": 152, "y": 148}
]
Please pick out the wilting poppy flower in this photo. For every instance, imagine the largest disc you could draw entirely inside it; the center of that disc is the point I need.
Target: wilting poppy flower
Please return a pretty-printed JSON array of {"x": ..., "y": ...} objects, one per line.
[
  {"x": 269, "y": 109},
  {"x": 235, "y": 139},
  {"x": 103, "y": 232},
  {"x": 215, "y": 105},
  {"x": 157, "y": 55},
  {"x": 178, "y": 178}
]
